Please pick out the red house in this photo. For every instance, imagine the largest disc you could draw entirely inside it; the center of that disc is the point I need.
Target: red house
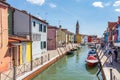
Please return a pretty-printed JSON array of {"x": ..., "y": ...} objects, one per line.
[{"x": 51, "y": 37}]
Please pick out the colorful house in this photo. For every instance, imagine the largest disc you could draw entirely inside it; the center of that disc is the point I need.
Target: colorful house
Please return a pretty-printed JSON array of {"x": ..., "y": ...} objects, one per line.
[
  {"x": 19, "y": 50},
  {"x": 51, "y": 37},
  {"x": 78, "y": 38},
  {"x": 4, "y": 57},
  {"x": 34, "y": 29},
  {"x": 61, "y": 37},
  {"x": 110, "y": 27},
  {"x": 118, "y": 27}
]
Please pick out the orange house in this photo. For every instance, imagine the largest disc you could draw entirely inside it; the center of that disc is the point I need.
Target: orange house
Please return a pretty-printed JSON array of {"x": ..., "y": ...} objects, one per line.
[
  {"x": 4, "y": 57},
  {"x": 110, "y": 26}
]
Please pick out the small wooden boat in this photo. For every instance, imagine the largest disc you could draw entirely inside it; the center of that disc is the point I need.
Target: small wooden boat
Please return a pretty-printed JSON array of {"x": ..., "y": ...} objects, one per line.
[
  {"x": 69, "y": 52},
  {"x": 74, "y": 49},
  {"x": 91, "y": 60}
]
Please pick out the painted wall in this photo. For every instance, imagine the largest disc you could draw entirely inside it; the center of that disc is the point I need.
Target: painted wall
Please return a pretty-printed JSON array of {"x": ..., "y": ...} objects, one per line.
[
  {"x": 37, "y": 44},
  {"x": 51, "y": 39},
  {"x": 61, "y": 37},
  {"x": 4, "y": 56},
  {"x": 10, "y": 21},
  {"x": 27, "y": 55},
  {"x": 119, "y": 33},
  {"x": 21, "y": 23},
  {"x": 78, "y": 38}
]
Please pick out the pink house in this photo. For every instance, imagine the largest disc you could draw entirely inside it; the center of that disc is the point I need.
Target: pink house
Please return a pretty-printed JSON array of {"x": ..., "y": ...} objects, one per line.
[
  {"x": 4, "y": 57},
  {"x": 51, "y": 37}
]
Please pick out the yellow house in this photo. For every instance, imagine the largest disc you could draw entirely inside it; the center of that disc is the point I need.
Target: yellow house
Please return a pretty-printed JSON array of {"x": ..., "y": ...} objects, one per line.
[
  {"x": 61, "y": 37},
  {"x": 21, "y": 50},
  {"x": 78, "y": 38}
]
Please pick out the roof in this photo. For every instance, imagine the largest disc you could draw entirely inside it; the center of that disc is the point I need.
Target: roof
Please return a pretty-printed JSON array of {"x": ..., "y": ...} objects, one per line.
[
  {"x": 25, "y": 12},
  {"x": 4, "y": 2},
  {"x": 17, "y": 39},
  {"x": 44, "y": 21},
  {"x": 111, "y": 24},
  {"x": 52, "y": 27}
]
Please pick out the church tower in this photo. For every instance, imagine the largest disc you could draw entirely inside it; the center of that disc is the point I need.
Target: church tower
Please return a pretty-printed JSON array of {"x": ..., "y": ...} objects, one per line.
[{"x": 77, "y": 27}]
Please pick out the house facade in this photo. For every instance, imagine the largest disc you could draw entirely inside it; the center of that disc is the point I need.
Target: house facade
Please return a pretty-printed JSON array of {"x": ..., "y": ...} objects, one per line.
[
  {"x": 51, "y": 37},
  {"x": 4, "y": 57},
  {"x": 39, "y": 36},
  {"x": 33, "y": 29},
  {"x": 61, "y": 37}
]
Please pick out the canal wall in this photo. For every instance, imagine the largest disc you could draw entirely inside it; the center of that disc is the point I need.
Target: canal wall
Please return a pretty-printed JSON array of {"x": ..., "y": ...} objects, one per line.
[{"x": 49, "y": 58}]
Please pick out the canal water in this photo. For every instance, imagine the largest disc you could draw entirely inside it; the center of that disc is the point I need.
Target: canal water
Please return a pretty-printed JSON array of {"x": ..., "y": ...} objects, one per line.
[{"x": 71, "y": 67}]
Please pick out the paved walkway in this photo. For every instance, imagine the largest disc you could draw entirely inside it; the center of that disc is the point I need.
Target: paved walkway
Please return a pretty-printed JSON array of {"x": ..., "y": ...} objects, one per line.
[{"x": 115, "y": 67}]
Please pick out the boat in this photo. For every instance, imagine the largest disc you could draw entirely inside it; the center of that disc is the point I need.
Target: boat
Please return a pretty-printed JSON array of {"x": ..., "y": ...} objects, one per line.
[
  {"x": 73, "y": 49},
  {"x": 92, "y": 52},
  {"x": 69, "y": 52},
  {"x": 91, "y": 60}
]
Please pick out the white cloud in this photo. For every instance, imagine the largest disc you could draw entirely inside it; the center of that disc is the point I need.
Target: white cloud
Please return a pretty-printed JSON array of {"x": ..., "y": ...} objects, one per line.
[
  {"x": 38, "y": 2},
  {"x": 98, "y": 4},
  {"x": 52, "y": 5},
  {"x": 117, "y": 10},
  {"x": 117, "y": 3}
]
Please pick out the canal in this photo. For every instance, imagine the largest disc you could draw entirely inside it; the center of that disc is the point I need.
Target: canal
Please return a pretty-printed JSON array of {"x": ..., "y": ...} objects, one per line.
[{"x": 70, "y": 67}]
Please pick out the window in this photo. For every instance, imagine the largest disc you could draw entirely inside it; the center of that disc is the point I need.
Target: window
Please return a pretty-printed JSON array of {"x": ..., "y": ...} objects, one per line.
[
  {"x": 41, "y": 45},
  {"x": 36, "y": 37},
  {"x": 34, "y": 23},
  {"x": 44, "y": 28},
  {"x": 44, "y": 44},
  {"x": 40, "y": 27}
]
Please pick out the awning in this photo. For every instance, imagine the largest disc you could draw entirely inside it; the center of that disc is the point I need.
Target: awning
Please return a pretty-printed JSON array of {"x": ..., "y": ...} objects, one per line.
[{"x": 117, "y": 44}]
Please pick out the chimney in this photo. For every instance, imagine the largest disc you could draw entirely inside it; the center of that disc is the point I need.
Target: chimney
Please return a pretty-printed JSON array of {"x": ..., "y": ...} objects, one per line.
[{"x": 60, "y": 26}]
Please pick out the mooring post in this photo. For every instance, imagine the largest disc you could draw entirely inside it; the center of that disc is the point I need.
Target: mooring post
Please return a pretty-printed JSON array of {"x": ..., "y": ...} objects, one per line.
[
  {"x": 14, "y": 73},
  {"x": 110, "y": 74},
  {"x": 48, "y": 56},
  {"x": 41, "y": 59}
]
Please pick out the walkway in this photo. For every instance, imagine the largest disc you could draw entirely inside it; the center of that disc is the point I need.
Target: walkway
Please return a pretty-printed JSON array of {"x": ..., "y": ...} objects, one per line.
[{"x": 110, "y": 71}]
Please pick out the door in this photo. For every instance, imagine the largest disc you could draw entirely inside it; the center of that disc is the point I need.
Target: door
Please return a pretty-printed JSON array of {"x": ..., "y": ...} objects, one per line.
[{"x": 23, "y": 52}]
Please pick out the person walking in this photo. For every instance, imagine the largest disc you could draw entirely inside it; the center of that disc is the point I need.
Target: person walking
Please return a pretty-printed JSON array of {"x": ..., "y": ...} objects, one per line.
[
  {"x": 110, "y": 56},
  {"x": 116, "y": 54}
]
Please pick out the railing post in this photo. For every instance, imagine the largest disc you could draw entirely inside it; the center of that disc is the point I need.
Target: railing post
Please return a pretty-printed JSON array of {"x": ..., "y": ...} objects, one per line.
[
  {"x": 41, "y": 59},
  {"x": 48, "y": 56},
  {"x": 14, "y": 73},
  {"x": 110, "y": 74},
  {"x": 31, "y": 65}
]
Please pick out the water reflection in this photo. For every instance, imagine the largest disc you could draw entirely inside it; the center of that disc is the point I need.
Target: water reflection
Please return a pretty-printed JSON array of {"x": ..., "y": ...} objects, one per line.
[{"x": 91, "y": 70}]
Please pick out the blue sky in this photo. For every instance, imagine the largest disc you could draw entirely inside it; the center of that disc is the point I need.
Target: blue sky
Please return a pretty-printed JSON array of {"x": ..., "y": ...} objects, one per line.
[{"x": 93, "y": 15}]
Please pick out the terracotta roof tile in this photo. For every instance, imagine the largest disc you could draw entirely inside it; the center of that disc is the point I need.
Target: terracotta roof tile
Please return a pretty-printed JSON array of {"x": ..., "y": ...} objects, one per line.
[{"x": 18, "y": 39}]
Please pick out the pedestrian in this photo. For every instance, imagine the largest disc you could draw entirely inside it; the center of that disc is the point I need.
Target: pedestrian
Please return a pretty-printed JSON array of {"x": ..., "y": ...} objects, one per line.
[
  {"x": 116, "y": 54},
  {"x": 110, "y": 56}
]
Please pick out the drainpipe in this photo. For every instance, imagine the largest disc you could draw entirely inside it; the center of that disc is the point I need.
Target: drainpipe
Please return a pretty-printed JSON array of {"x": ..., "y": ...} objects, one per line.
[
  {"x": 1, "y": 44},
  {"x": 14, "y": 66},
  {"x": 30, "y": 34},
  {"x": 13, "y": 21}
]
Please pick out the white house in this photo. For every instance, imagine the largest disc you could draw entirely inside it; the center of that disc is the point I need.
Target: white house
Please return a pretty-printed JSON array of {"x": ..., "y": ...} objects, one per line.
[
  {"x": 39, "y": 36},
  {"x": 33, "y": 28}
]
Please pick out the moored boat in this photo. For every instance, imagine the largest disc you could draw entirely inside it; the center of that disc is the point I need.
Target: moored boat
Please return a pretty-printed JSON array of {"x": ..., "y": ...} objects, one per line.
[
  {"x": 91, "y": 60},
  {"x": 69, "y": 52}
]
